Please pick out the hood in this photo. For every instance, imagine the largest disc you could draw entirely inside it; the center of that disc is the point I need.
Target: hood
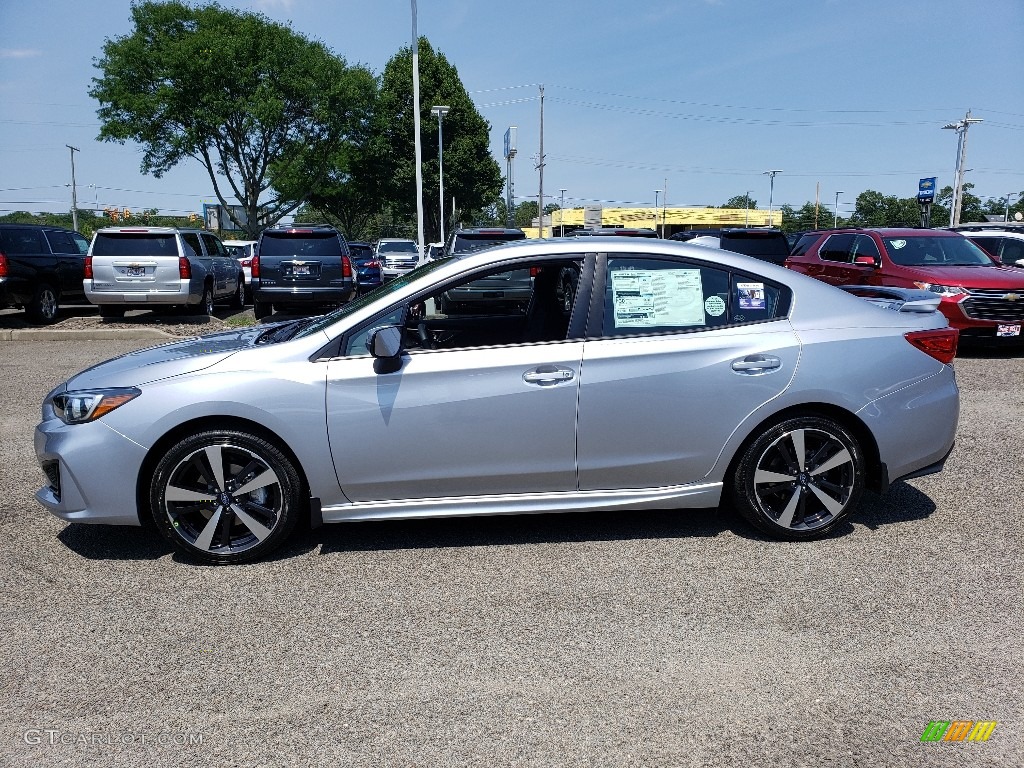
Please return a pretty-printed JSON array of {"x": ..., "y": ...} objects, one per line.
[
  {"x": 174, "y": 359},
  {"x": 984, "y": 276}
]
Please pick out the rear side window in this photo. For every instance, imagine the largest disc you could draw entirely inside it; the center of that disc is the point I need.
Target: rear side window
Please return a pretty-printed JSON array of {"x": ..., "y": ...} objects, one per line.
[
  {"x": 836, "y": 248},
  {"x": 192, "y": 241},
  {"x": 804, "y": 244},
  {"x": 644, "y": 296},
  {"x": 214, "y": 247},
  {"x": 61, "y": 242},
  {"x": 988, "y": 244},
  {"x": 300, "y": 245},
  {"x": 134, "y": 244},
  {"x": 22, "y": 241}
]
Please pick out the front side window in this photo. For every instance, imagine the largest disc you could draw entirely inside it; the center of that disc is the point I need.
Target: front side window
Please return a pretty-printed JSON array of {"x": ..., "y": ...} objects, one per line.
[
  {"x": 647, "y": 295},
  {"x": 865, "y": 246}
]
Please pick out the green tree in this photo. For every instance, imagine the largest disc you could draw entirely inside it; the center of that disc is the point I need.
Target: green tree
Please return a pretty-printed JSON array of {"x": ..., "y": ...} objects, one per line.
[
  {"x": 471, "y": 175},
  {"x": 873, "y": 209},
  {"x": 803, "y": 219},
  {"x": 248, "y": 98},
  {"x": 971, "y": 207},
  {"x": 740, "y": 201}
]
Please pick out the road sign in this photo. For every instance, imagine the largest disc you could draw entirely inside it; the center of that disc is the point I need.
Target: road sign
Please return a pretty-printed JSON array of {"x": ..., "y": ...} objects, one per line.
[{"x": 926, "y": 190}]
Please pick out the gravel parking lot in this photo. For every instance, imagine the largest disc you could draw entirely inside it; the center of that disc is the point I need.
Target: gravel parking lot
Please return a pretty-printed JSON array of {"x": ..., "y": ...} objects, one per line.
[{"x": 626, "y": 639}]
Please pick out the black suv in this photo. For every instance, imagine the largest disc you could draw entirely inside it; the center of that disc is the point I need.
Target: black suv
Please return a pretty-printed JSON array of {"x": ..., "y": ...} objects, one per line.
[
  {"x": 301, "y": 265},
  {"x": 40, "y": 266},
  {"x": 765, "y": 244}
]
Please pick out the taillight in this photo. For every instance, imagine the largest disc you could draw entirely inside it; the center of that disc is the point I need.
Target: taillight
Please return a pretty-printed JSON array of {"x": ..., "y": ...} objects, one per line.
[
  {"x": 246, "y": 262},
  {"x": 346, "y": 267},
  {"x": 940, "y": 344},
  {"x": 184, "y": 268},
  {"x": 373, "y": 264},
  {"x": 534, "y": 271},
  {"x": 255, "y": 266},
  {"x": 88, "y": 267},
  {"x": 3, "y": 265}
]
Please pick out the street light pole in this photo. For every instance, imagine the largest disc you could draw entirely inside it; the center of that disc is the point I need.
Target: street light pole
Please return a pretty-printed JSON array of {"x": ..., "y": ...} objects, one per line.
[
  {"x": 656, "y": 193},
  {"x": 746, "y": 220},
  {"x": 771, "y": 194},
  {"x": 416, "y": 130},
  {"x": 960, "y": 126},
  {"x": 561, "y": 215},
  {"x": 835, "y": 221},
  {"x": 74, "y": 189},
  {"x": 1006, "y": 216},
  {"x": 440, "y": 112}
]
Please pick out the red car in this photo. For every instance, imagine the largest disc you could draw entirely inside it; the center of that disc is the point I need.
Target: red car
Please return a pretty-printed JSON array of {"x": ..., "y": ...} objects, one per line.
[{"x": 980, "y": 297}]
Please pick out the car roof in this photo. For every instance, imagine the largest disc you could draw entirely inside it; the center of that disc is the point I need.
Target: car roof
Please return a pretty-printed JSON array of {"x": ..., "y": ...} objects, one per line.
[
  {"x": 489, "y": 231},
  {"x": 149, "y": 230}
]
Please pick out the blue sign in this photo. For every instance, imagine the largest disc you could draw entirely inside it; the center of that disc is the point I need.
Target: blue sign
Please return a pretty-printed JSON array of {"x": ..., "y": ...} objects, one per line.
[{"x": 926, "y": 190}]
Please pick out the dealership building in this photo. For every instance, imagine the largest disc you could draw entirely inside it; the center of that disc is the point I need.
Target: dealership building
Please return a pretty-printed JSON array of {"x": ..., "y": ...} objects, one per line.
[{"x": 667, "y": 221}]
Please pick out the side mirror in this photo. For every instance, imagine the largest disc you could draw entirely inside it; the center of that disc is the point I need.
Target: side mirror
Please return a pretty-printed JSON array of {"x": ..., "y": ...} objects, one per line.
[
  {"x": 385, "y": 342},
  {"x": 866, "y": 261}
]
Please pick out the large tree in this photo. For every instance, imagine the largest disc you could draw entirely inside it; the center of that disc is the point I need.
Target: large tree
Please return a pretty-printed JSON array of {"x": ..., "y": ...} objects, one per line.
[
  {"x": 873, "y": 209},
  {"x": 740, "y": 201},
  {"x": 471, "y": 175},
  {"x": 248, "y": 98}
]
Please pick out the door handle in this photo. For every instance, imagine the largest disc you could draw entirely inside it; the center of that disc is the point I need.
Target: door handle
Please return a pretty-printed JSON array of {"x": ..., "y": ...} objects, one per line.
[
  {"x": 548, "y": 375},
  {"x": 751, "y": 365}
]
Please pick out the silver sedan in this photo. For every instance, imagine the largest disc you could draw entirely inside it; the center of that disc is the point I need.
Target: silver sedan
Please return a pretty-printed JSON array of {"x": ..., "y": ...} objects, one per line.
[{"x": 680, "y": 377}]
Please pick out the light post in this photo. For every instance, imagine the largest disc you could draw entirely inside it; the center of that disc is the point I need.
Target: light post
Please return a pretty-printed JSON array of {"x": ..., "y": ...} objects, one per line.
[
  {"x": 561, "y": 215},
  {"x": 656, "y": 193},
  {"x": 771, "y": 194},
  {"x": 1006, "y": 216},
  {"x": 746, "y": 220},
  {"x": 440, "y": 112},
  {"x": 74, "y": 189},
  {"x": 960, "y": 126},
  {"x": 416, "y": 130},
  {"x": 835, "y": 221}
]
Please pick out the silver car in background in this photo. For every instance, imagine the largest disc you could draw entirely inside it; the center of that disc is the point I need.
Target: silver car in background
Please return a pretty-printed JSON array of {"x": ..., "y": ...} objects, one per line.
[{"x": 681, "y": 377}]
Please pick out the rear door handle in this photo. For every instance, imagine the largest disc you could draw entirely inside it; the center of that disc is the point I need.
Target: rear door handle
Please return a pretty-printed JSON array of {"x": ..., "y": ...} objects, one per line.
[
  {"x": 548, "y": 375},
  {"x": 751, "y": 365}
]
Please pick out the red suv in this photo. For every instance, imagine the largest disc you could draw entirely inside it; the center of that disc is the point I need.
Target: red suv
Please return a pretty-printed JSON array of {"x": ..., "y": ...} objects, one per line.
[{"x": 979, "y": 296}]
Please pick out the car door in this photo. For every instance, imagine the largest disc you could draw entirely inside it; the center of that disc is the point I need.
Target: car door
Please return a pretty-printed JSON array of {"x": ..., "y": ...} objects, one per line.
[
  {"x": 70, "y": 262},
  {"x": 224, "y": 279},
  {"x": 834, "y": 255},
  {"x": 486, "y": 419},
  {"x": 682, "y": 353}
]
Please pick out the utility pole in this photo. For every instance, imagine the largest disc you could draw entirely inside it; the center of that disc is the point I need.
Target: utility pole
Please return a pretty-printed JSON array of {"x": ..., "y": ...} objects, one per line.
[
  {"x": 835, "y": 221},
  {"x": 74, "y": 189},
  {"x": 817, "y": 197},
  {"x": 540, "y": 167},
  {"x": 746, "y": 220},
  {"x": 440, "y": 112},
  {"x": 656, "y": 193},
  {"x": 664, "y": 202},
  {"x": 960, "y": 126},
  {"x": 561, "y": 215},
  {"x": 1006, "y": 216}
]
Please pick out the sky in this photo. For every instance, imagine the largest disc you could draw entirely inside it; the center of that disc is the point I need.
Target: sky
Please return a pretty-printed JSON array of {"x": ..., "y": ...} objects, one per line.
[{"x": 698, "y": 97}]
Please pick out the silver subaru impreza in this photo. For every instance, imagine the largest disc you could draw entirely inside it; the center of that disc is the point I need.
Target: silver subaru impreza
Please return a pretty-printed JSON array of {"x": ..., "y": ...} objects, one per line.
[{"x": 677, "y": 376}]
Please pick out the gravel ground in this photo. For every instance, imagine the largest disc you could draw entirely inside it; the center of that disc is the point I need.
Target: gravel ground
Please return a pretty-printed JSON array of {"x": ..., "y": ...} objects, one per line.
[
  {"x": 78, "y": 317},
  {"x": 630, "y": 639}
]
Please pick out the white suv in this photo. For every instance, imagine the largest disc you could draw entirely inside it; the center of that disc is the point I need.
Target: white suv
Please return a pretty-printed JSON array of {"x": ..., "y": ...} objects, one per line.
[
  {"x": 165, "y": 266},
  {"x": 1004, "y": 242},
  {"x": 396, "y": 256}
]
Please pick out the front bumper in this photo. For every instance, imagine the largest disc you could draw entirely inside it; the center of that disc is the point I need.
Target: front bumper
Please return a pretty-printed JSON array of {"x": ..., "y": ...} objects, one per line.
[{"x": 95, "y": 469}]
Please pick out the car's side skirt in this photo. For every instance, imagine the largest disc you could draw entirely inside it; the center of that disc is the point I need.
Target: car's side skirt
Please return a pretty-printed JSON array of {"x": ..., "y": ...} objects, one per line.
[{"x": 680, "y": 496}]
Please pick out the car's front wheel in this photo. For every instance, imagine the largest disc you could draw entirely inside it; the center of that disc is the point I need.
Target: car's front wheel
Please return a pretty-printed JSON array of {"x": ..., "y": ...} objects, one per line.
[
  {"x": 238, "y": 300},
  {"x": 225, "y": 496},
  {"x": 262, "y": 309},
  {"x": 799, "y": 479}
]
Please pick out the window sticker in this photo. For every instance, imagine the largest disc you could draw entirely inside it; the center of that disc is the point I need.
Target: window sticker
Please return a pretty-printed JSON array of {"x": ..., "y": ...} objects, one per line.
[
  {"x": 714, "y": 306},
  {"x": 751, "y": 295},
  {"x": 648, "y": 298},
  {"x": 897, "y": 244}
]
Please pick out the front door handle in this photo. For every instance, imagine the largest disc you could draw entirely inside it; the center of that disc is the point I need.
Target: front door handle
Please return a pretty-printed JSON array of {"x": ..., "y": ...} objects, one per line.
[
  {"x": 751, "y": 365},
  {"x": 548, "y": 375}
]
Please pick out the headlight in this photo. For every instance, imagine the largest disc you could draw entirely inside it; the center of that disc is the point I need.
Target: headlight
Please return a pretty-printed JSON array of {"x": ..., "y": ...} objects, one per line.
[
  {"x": 90, "y": 404},
  {"x": 942, "y": 290}
]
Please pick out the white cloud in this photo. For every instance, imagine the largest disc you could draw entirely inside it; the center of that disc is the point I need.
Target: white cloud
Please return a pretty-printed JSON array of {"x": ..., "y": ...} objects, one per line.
[
  {"x": 19, "y": 53},
  {"x": 271, "y": 5}
]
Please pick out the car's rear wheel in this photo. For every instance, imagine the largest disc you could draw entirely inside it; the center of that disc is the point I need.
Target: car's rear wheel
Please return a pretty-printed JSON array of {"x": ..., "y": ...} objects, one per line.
[
  {"x": 43, "y": 306},
  {"x": 799, "y": 479},
  {"x": 262, "y": 309},
  {"x": 206, "y": 303},
  {"x": 225, "y": 496},
  {"x": 111, "y": 311}
]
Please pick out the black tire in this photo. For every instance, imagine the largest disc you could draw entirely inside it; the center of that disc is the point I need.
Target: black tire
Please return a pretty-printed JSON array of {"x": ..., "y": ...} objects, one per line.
[
  {"x": 800, "y": 479},
  {"x": 44, "y": 305},
  {"x": 262, "y": 309},
  {"x": 111, "y": 310},
  {"x": 209, "y": 520},
  {"x": 238, "y": 300},
  {"x": 206, "y": 303}
]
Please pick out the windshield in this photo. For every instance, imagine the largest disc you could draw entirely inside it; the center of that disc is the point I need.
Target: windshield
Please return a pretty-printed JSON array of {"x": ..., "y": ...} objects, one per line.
[
  {"x": 472, "y": 244},
  {"x": 360, "y": 252},
  {"x": 935, "y": 252},
  {"x": 401, "y": 246},
  {"x": 319, "y": 323}
]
